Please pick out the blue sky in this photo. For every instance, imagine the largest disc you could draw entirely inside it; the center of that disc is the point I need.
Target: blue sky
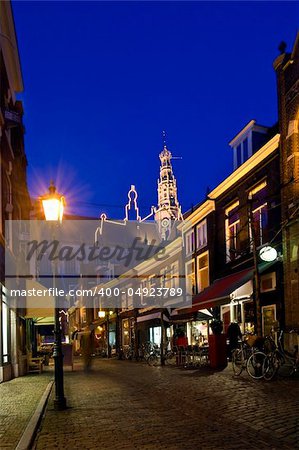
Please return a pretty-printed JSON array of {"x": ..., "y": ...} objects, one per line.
[{"x": 103, "y": 79}]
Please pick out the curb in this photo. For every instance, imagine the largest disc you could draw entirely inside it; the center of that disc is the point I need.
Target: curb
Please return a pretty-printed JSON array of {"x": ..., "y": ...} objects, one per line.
[{"x": 30, "y": 431}]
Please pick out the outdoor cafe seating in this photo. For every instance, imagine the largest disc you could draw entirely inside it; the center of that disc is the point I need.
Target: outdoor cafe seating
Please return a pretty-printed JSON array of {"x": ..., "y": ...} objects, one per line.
[{"x": 191, "y": 355}]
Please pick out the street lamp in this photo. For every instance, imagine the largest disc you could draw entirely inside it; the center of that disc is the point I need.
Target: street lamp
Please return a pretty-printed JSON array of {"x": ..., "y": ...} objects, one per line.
[{"x": 53, "y": 206}]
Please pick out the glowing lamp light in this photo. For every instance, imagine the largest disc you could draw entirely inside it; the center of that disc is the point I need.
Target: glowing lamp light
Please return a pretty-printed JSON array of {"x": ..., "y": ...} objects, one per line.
[
  {"x": 268, "y": 253},
  {"x": 53, "y": 204},
  {"x": 101, "y": 314}
]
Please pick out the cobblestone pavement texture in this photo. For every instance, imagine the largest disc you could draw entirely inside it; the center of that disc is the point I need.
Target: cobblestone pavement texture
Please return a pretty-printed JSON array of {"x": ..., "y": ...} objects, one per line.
[
  {"x": 128, "y": 405},
  {"x": 18, "y": 400}
]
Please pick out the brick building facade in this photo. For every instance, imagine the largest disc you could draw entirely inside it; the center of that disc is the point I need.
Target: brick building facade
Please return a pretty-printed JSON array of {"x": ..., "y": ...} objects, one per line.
[
  {"x": 287, "y": 70},
  {"x": 14, "y": 197}
]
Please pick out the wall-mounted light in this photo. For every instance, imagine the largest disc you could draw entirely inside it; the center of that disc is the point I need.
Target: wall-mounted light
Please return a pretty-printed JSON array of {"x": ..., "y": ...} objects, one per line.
[{"x": 268, "y": 253}]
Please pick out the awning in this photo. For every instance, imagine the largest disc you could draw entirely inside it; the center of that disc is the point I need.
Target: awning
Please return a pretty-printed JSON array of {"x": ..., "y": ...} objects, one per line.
[
  {"x": 156, "y": 315},
  {"x": 219, "y": 292},
  {"x": 202, "y": 315},
  {"x": 38, "y": 306},
  {"x": 41, "y": 321}
]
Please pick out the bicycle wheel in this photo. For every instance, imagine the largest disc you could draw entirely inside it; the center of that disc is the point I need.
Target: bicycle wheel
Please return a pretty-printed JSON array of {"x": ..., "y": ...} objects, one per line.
[
  {"x": 287, "y": 369},
  {"x": 169, "y": 358},
  {"x": 271, "y": 366},
  {"x": 238, "y": 361},
  {"x": 153, "y": 360},
  {"x": 255, "y": 365},
  {"x": 128, "y": 354}
]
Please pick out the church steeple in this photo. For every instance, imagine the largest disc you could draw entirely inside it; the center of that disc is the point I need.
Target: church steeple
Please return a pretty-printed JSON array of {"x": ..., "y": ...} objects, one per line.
[{"x": 168, "y": 205}]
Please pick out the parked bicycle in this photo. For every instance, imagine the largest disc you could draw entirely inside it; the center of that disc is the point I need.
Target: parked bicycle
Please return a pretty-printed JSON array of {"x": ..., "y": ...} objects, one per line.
[
  {"x": 278, "y": 360},
  {"x": 144, "y": 351},
  {"x": 128, "y": 352},
  {"x": 154, "y": 357},
  {"x": 250, "y": 357}
]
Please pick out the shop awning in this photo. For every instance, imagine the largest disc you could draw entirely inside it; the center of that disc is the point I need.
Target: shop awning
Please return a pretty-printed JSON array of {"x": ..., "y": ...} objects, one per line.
[
  {"x": 38, "y": 306},
  {"x": 219, "y": 292},
  {"x": 202, "y": 315},
  {"x": 155, "y": 315}
]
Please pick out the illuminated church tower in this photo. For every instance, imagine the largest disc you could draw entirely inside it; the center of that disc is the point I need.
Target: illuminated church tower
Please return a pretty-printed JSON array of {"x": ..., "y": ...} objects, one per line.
[{"x": 169, "y": 209}]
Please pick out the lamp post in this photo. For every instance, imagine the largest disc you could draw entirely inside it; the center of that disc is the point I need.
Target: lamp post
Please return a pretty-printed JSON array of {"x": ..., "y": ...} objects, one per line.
[
  {"x": 256, "y": 276},
  {"x": 53, "y": 207}
]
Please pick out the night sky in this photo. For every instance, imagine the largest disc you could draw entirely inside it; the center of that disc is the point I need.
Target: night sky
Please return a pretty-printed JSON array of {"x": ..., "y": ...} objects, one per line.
[{"x": 102, "y": 80}]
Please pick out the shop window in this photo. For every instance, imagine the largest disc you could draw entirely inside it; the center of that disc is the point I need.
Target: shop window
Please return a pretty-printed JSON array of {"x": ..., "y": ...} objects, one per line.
[
  {"x": 258, "y": 200},
  {"x": 126, "y": 332},
  {"x": 202, "y": 271},
  {"x": 190, "y": 242},
  {"x": 268, "y": 282},
  {"x": 197, "y": 332},
  {"x": 5, "y": 327},
  {"x": 249, "y": 316},
  {"x": 201, "y": 235},
  {"x": 83, "y": 315},
  {"x": 155, "y": 335},
  {"x": 232, "y": 231},
  {"x": 269, "y": 319}
]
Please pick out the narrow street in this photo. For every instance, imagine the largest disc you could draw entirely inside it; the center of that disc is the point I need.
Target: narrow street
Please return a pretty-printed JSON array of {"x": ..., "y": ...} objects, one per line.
[{"x": 125, "y": 405}]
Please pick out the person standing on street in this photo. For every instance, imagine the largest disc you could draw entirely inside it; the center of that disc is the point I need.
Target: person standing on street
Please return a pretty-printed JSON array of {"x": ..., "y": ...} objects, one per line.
[{"x": 233, "y": 335}]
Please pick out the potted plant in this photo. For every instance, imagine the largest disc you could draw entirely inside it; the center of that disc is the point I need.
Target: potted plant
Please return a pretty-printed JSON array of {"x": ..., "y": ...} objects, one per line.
[{"x": 216, "y": 326}]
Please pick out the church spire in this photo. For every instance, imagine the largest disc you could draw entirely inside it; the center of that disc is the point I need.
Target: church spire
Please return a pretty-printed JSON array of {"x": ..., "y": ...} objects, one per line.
[
  {"x": 164, "y": 138},
  {"x": 168, "y": 205}
]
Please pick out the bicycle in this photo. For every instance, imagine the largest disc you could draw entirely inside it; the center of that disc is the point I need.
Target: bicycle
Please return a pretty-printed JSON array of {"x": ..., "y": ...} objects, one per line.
[
  {"x": 256, "y": 364},
  {"x": 144, "y": 351},
  {"x": 128, "y": 352},
  {"x": 278, "y": 358},
  {"x": 154, "y": 356},
  {"x": 249, "y": 357},
  {"x": 240, "y": 356}
]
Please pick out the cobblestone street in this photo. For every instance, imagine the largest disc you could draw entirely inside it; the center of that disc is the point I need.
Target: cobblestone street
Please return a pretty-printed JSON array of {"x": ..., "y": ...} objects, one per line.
[
  {"x": 125, "y": 405},
  {"x": 18, "y": 400}
]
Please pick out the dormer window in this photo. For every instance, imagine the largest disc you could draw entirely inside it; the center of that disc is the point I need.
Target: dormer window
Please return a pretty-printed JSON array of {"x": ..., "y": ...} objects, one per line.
[{"x": 247, "y": 142}]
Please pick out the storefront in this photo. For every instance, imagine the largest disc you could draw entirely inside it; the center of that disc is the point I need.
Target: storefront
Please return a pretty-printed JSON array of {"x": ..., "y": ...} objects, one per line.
[
  {"x": 194, "y": 324},
  {"x": 150, "y": 328},
  {"x": 128, "y": 331},
  {"x": 239, "y": 309},
  {"x": 5, "y": 369},
  {"x": 105, "y": 334},
  {"x": 197, "y": 332}
]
